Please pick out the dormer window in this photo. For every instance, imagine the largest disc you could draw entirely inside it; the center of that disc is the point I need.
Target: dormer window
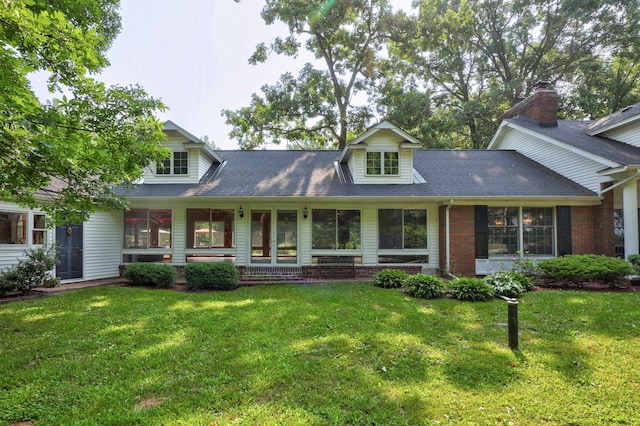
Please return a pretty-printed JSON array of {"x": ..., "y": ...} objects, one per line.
[
  {"x": 177, "y": 165},
  {"x": 382, "y": 163}
]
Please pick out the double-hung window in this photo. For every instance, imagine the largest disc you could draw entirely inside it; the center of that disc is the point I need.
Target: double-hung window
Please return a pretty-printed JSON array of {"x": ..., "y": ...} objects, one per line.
[
  {"x": 177, "y": 164},
  {"x": 382, "y": 163},
  {"x": 529, "y": 229}
]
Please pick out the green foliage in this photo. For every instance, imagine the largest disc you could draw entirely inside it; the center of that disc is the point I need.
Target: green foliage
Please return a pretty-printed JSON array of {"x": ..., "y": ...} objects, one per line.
[
  {"x": 506, "y": 283},
  {"x": 390, "y": 278},
  {"x": 316, "y": 108},
  {"x": 314, "y": 355},
  {"x": 151, "y": 275},
  {"x": 423, "y": 286},
  {"x": 476, "y": 57},
  {"x": 31, "y": 271},
  {"x": 212, "y": 276},
  {"x": 90, "y": 138},
  {"x": 579, "y": 268},
  {"x": 470, "y": 289},
  {"x": 634, "y": 259},
  {"x": 525, "y": 265}
]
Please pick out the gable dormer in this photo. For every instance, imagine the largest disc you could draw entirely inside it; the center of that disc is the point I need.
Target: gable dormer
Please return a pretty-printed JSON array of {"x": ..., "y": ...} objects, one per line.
[
  {"x": 189, "y": 160},
  {"x": 381, "y": 155}
]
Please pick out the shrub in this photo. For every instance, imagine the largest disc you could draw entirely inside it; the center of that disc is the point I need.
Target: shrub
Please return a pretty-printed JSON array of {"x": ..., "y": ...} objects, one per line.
[
  {"x": 423, "y": 285},
  {"x": 151, "y": 275},
  {"x": 471, "y": 289},
  {"x": 579, "y": 268},
  {"x": 506, "y": 283},
  {"x": 634, "y": 259},
  {"x": 213, "y": 276},
  {"x": 525, "y": 265},
  {"x": 33, "y": 270},
  {"x": 390, "y": 278}
]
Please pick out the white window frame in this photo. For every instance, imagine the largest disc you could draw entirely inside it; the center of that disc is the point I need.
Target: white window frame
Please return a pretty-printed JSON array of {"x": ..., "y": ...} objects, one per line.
[
  {"x": 171, "y": 167},
  {"x": 383, "y": 161}
]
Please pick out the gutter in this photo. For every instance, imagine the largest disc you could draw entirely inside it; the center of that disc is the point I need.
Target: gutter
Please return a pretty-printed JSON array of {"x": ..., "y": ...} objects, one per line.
[{"x": 622, "y": 182}]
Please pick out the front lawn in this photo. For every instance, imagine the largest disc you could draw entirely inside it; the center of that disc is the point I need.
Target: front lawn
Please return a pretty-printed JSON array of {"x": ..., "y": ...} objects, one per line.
[{"x": 317, "y": 354}]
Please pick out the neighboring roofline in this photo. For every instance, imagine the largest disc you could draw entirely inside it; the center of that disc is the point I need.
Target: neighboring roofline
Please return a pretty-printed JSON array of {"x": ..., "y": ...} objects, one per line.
[
  {"x": 587, "y": 154},
  {"x": 599, "y": 128}
]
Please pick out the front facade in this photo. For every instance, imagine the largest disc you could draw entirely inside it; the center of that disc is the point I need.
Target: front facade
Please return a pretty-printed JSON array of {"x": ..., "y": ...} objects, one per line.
[{"x": 381, "y": 202}]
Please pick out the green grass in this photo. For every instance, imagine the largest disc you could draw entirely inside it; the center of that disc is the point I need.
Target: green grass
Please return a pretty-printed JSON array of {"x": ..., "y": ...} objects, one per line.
[{"x": 317, "y": 354}]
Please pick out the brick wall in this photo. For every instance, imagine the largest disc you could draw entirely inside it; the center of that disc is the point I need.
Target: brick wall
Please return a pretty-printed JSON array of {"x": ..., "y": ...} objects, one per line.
[
  {"x": 462, "y": 240},
  {"x": 541, "y": 106}
]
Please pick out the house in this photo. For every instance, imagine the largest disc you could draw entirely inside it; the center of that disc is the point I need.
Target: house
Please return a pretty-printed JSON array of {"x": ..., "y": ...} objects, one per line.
[{"x": 544, "y": 186}]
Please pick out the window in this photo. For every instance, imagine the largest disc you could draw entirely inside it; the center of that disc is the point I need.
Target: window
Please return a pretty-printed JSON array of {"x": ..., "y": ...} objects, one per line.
[
  {"x": 39, "y": 229},
  {"x": 376, "y": 165},
  {"x": 530, "y": 229},
  {"x": 373, "y": 163},
  {"x": 180, "y": 164},
  {"x": 503, "y": 230},
  {"x": 390, "y": 163},
  {"x": 537, "y": 230},
  {"x": 335, "y": 229},
  {"x": 210, "y": 228},
  {"x": 147, "y": 228},
  {"x": 13, "y": 227},
  {"x": 400, "y": 229}
]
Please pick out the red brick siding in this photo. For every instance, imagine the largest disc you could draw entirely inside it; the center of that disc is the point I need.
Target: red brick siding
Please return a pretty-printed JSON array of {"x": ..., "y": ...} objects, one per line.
[
  {"x": 462, "y": 240},
  {"x": 541, "y": 106}
]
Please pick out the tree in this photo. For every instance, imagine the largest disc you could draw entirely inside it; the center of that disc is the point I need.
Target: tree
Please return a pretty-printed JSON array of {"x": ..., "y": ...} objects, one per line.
[
  {"x": 317, "y": 105},
  {"x": 67, "y": 155},
  {"x": 478, "y": 56}
]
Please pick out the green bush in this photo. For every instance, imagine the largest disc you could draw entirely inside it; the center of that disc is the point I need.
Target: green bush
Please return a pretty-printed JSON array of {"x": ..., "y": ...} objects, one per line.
[
  {"x": 390, "y": 278},
  {"x": 151, "y": 275},
  {"x": 423, "y": 286},
  {"x": 470, "y": 289},
  {"x": 33, "y": 270},
  {"x": 507, "y": 283},
  {"x": 579, "y": 268},
  {"x": 634, "y": 259},
  {"x": 213, "y": 276}
]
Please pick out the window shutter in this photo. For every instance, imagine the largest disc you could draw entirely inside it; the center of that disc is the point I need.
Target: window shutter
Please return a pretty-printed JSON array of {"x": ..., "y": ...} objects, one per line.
[
  {"x": 482, "y": 232},
  {"x": 564, "y": 230}
]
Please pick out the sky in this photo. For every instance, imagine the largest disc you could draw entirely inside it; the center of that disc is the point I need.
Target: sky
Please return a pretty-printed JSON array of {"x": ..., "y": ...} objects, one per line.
[{"x": 193, "y": 55}]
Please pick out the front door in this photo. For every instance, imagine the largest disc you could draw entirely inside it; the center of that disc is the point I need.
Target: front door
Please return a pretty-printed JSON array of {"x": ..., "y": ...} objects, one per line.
[
  {"x": 69, "y": 240},
  {"x": 279, "y": 247}
]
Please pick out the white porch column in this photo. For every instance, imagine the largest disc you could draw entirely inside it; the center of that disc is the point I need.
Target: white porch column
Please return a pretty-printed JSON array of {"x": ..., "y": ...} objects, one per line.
[{"x": 630, "y": 212}]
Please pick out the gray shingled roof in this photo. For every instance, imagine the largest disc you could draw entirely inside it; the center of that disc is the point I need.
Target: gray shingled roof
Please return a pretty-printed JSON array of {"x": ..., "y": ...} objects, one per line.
[
  {"x": 575, "y": 134},
  {"x": 448, "y": 173},
  {"x": 616, "y": 117}
]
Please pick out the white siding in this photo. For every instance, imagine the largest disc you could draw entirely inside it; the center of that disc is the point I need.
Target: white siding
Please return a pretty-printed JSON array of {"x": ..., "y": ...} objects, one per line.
[
  {"x": 204, "y": 163},
  {"x": 103, "y": 239},
  {"x": 369, "y": 236},
  {"x": 179, "y": 235},
  {"x": 382, "y": 141},
  {"x": 11, "y": 253},
  {"x": 176, "y": 145},
  {"x": 628, "y": 134},
  {"x": 573, "y": 166}
]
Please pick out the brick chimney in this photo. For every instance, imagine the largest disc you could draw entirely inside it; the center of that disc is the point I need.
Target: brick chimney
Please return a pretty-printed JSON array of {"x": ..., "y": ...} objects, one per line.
[{"x": 541, "y": 106}]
